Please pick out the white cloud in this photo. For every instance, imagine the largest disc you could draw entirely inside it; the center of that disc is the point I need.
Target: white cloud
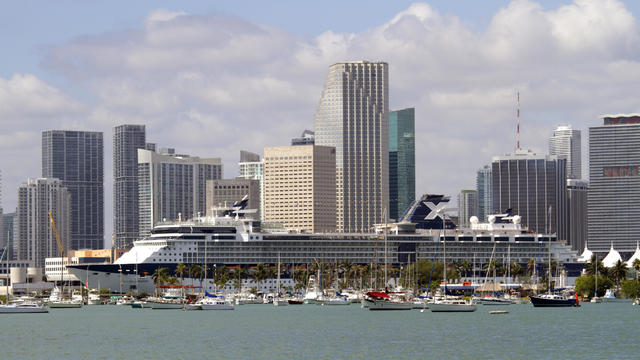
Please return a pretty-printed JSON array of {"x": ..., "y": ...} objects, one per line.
[{"x": 212, "y": 85}]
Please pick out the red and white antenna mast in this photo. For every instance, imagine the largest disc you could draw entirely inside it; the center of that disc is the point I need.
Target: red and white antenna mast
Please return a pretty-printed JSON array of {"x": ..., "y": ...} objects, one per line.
[{"x": 518, "y": 118}]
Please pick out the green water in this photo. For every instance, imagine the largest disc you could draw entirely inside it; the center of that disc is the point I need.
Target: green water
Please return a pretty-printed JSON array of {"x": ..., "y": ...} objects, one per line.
[{"x": 594, "y": 331}]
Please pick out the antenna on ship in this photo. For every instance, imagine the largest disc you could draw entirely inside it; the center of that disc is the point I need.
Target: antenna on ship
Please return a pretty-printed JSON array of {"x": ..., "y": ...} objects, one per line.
[{"x": 518, "y": 119}]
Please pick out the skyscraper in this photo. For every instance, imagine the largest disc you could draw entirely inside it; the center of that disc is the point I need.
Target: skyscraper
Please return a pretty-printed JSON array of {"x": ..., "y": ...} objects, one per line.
[
  {"x": 614, "y": 183},
  {"x": 300, "y": 187},
  {"x": 402, "y": 161},
  {"x": 577, "y": 200},
  {"x": 353, "y": 117},
  {"x": 171, "y": 186},
  {"x": 35, "y": 238},
  {"x": 529, "y": 184},
  {"x": 467, "y": 207},
  {"x": 484, "y": 188},
  {"x": 566, "y": 143},
  {"x": 76, "y": 158},
  {"x": 127, "y": 139}
]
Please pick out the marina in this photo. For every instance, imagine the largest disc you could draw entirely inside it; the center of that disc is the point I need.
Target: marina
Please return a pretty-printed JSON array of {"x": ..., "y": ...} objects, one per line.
[{"x": 323, "y": 332}]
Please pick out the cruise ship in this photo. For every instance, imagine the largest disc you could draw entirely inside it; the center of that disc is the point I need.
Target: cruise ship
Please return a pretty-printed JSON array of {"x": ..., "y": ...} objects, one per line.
[{"x": 233, "y": 239}]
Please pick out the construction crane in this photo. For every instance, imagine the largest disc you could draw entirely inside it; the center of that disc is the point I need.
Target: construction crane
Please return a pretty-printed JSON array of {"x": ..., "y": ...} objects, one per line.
[{"x": 55, "y": 233}]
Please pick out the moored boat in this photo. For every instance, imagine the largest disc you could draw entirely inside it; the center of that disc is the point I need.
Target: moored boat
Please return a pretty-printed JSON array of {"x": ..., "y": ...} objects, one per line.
[
  {"x": 23, "y": 308},
  {"x": 452, "y": 305},
  {"x": 377, "y": 300},
  {"x": 553, "y": 300}
]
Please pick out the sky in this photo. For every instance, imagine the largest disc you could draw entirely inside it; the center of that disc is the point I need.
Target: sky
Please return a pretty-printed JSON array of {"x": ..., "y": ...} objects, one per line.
[{"x": 213, "y": 78}]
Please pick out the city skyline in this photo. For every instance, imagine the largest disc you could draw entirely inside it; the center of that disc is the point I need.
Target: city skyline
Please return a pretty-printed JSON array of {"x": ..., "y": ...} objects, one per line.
[{"x": 463, "y": 87}]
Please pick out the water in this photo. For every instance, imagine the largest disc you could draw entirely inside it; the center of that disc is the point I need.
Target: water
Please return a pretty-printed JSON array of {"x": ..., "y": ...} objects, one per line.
[{"x": 594, "y": 331}]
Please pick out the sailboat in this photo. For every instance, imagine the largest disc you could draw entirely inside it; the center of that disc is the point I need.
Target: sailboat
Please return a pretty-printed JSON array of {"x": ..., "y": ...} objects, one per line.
[
  {"x": 550, "y": 299},
  {"x": 449, "y": 303},
  {"x": 279, "y": 300},
  {"x": 209, "y": 301},
  {"x": 19, "y": 308},
  {"x": 595, "y": 299}
]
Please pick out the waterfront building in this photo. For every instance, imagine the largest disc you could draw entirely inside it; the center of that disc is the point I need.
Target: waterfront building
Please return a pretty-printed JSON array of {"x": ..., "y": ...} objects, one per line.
[
  {"x": 467, "y": 207},
  {"x": 484, "y": 186},
  {"x": 307, "y": 138},
  {"x": 402, "y": 161},
  {"x": 3, "y": 241},
  {"x": 300, "y": 187},
  {"x": 7, "y": 228},
  {"x": 127, "y": 139},
  {"x": 614, "y": 183},
  {"x": 577, "y": 204},
  {"x": 252, "y": 168},
  {"x": 530, "y": 184},
  {"x": 76, "y": 158},
  {"x": 226, "y": 192},
  {"x": 35, "y": 238},
  {"x": 172, "y": 185},
  {"x": 566, "y": 143},
  {"x": 353, "y": 117}
]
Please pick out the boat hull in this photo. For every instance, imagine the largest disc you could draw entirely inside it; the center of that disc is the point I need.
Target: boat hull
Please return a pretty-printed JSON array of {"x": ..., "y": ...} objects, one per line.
[
  {"x": 435, "y": 307},
  {"x": 543, "y": 302},
  {"x": 164, "y": 306},
  {"x": 64, "y": 305},
  {"x": 381, "y": 305},
  {"x": 9, "y": 309}
]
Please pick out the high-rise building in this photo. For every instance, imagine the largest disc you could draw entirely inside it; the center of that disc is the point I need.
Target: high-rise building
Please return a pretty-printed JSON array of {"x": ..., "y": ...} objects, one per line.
[
  {"x": 467, "y": 207},
  {"x": 300, "y": 187},
  {"x": 127, "y": 139},
  {"x": 402, "y": 161},
  {"x": 484, "y": 188},
  {"x": 566, "y": 143},
  {"x": 251, "y": 168},
  {"x": 3, "y": 241},
  {"x": 577, "y": 201},
  {"x": 172, "y": 186},
  {"x": 614, "y": 183},
  {"x": 35, "y": 238},
  {"x": 353, "y": 117},
  {"x": 529, "y": 185},
  {"x": 225, "y": 192},
  {"x": 77, "y": 159},
  {"x": 307, "y": 138}
]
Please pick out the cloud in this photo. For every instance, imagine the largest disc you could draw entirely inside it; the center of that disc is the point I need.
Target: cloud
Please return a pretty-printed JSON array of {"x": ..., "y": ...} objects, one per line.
[{"x": 213, "y": 84}]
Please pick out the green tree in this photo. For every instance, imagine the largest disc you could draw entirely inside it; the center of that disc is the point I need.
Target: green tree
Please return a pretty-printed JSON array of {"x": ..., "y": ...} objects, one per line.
[
  {"x": 194, "y": 272},
  {"x": 631, "y": 288},
  {"x": 181, "y": 269},
  {"x": 585, "y": 285},
  {"x": 618, "y": 272},
  {"x": 160, "y": 275}
]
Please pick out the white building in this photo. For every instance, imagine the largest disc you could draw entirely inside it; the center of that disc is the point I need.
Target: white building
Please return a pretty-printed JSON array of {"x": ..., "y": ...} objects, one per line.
[
  {"x": 353, "y": 117},
  {"x": 567, "y": 144},
  {"x": 252, "y": 168},
  {"x": 35, "y": 239},
  {"x": 172, "y": 186}
]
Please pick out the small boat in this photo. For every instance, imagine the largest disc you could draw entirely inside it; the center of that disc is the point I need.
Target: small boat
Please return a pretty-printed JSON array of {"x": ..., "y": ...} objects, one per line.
[
  {"x": 125, "y": 300},
  {"x": 140, "y": 305},
  {"x": 553, "y": 300},
  {"x": 452, "y": 305},
  {"x": 214, "y": 303},
  {"x": 494, "y": 300},
  {"x": 94, "y": 299},
  {"x": 337, "y": 300},
  {"x": 610, "y": 296},
  {"x": 280, "y": 301},
  {"x": 23, "y": 308},
  {"x": 495, "y": 312},
  {"x": 377, "y": 300},
  {"x": 596, "y": 300}
]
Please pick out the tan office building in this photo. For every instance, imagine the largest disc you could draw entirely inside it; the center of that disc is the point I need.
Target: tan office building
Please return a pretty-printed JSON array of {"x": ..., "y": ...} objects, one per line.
[{"x": 300, "y": 187}]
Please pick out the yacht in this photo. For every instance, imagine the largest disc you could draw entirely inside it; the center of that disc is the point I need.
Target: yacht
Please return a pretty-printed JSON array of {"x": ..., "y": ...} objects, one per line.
[
  {"x": 451, "y": 304},
  {"x": 25, "y": 307},
  {"x": 56, "y": 301},
  {"x": 553, "y": 300},
  {"x": 378, "y": 300}
]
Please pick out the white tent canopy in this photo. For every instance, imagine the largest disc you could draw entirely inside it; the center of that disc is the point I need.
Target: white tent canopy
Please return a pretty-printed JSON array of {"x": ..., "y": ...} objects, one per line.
[
  {"x": 612, "y": 258},
  {"x": 586, "y": 255},
  {"x": 636, "y": 255}
]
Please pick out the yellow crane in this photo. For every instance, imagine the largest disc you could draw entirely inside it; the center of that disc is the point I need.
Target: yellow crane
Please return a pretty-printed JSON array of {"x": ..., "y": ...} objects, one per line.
[{"x": 55, "y": 233}]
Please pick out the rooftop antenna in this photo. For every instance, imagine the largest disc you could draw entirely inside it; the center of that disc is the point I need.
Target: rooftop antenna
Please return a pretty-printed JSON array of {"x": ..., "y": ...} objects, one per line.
[{"x": 518, "y": 118}]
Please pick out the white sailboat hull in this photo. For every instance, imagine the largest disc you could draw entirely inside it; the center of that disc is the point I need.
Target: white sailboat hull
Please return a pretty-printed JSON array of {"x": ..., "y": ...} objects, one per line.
[
  {"x": 445, "y": 307},
  {"x": 19, "y": 309}
]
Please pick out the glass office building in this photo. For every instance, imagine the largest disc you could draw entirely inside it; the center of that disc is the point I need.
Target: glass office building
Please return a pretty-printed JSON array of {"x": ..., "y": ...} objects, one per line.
[
  {"x": 77, "y": 159},
  {"x": 402, "y": 161}
]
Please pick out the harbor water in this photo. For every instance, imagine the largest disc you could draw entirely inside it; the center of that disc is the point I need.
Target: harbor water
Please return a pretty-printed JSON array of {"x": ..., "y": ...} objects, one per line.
[{"x": 593, "y": 331}]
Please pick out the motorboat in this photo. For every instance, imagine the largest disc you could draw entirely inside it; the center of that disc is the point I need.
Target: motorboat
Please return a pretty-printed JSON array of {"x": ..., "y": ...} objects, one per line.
[
  {"x": 23, "y": 308},
  {"x": 337, "y": 300},
  {"x": 214, "y": 303},
  {"x": 280, "y": 301},
  {"x": 494, "y": 300},
  {"x": 94, "y": 299},
  {"x": 610, "y": 296},
  {"x": 449, "y": 304},
  {"x": 56, "y": 301}
]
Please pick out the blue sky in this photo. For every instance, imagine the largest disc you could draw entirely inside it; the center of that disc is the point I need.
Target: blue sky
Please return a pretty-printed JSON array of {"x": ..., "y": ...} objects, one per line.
[{"x": 212, "y": 78}]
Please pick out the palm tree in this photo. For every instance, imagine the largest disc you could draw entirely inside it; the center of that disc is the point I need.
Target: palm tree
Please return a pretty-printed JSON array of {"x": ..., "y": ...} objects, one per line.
[
  {"x": 260, "y": 274},
  {"x": 636, "y": 267},
  {"x": 181, "y": 269},
  {"x": 619, "y": 272},
  {"x": 160, "y": 275},
  {"x": 516, "y": 269},
  {"x": 345, "y": 268},
  {"x": 531, "y": 265},
  {"x": 194, "y": 271}
]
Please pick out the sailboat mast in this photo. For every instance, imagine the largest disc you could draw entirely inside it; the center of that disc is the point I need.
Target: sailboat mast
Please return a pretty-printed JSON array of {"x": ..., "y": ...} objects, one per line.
[
  {"x": 384, "y": 214},
  {"x": 549, "y": 240},
  {"x": 444, "y": 253}
]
